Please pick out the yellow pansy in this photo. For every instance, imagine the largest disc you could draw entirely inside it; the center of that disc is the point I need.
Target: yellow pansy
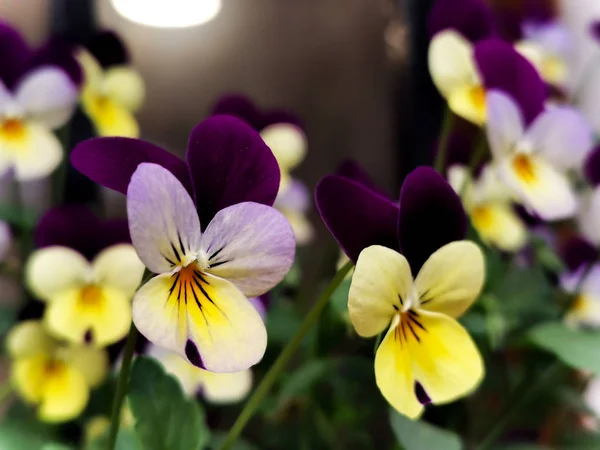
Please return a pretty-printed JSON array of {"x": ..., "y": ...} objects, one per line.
[
  {"x": 426, "y": 356},
  {"x": 110, "y": 97},
  {"x": 489, "y": 205},
  {"x": 87, "y": 302},
  {"x": 53, "y": 377}
]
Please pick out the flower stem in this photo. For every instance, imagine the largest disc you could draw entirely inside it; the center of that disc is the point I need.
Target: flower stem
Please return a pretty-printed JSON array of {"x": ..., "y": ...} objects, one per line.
[
  {"x": 121, "y": 391},
  {"x": 282, "y": 360},
  {"x": 440, "y": 157}
]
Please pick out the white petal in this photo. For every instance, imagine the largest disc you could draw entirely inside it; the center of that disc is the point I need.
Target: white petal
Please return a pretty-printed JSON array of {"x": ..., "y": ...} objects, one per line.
[
  {"x": 119, "y": 267},
  {"x": 589, "y": 216},
  {"x": 164, "y": 225},
  {"x": 251, "y": 245},
  {"x": 221, "y": 388},
  {"x": 562, "y": 136},
  {"x": 451, "y": 62},
  {"x": 504, "y": 123},
  {"x": 287, "y": 142},
  {"x": 48, "y": 96}
]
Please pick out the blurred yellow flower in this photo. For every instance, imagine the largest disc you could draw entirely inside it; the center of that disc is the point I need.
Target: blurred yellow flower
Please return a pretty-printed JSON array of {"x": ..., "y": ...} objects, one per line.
[
  {"x": 53, "y": 377},
  {"x": 110, "y": 97}
]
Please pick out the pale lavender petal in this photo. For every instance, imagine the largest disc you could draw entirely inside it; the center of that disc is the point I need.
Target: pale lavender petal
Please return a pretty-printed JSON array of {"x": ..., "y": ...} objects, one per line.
[
  {"x": 295, "y": 197},
  {"x": 251, "y": 245},
  {"x": 505, "y": 123},
  {"x": 163, "y": 223},
  {"x": 47, "y": 95},
  {"x": 562, "y": 135}
]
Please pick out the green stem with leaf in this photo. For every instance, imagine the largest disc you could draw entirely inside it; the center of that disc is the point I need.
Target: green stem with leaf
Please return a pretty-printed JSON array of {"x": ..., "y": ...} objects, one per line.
[
  {"x": 282, "y": 360},
  {"x": 440, "y": 158}
]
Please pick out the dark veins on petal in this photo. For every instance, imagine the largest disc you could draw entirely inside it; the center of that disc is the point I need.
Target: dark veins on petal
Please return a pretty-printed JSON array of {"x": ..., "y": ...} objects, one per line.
[{"x": 193, "y": 355}]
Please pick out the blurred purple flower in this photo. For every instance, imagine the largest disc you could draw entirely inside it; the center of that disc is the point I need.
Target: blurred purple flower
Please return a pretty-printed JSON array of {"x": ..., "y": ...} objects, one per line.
[
  {"x": 78, "y": 228},
  {"x": 471, "y": 18},
  {"x": 226, "y": 163},
  {"x": 358, "y": 217}
]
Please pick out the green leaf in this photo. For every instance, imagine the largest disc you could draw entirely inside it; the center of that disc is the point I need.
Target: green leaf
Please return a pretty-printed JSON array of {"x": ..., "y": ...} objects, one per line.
[
  {"x": 577, "y": 348},
  {"x": 54, "y": 446},
  {"x": 126, "y": 440},
  {"x": 419, "y": 435},
  {"x": 339, "y": 298},
  {"x": 303, "y": 378},
  {"x": 165, "y": 418},
  {"x": 22, "y": 218},
  {"x": 239, "y": 444},
  {"x": 21, "y": 429}
]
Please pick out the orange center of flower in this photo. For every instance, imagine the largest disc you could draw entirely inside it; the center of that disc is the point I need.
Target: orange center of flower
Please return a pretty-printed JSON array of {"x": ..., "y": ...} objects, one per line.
[
  {"x": 482, "y": 217},
  {"x": 579, "y": 303},
  {"x": 12, "y": 130},
  {"x": 524, "y": 168},
  {"x": 54, "y": 368},
  {"x": 477, "y": 95},
  {"x": 409, "y": 327},
  {"x": 90, "y": 297}
]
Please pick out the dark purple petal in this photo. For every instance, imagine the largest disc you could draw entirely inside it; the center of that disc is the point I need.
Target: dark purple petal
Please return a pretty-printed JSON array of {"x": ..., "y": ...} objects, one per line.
[
  {"x": 239, "y": 106},
  {"x": 352, "y": 170},
  {"x": 595, "y": 29},
  {"x": 530, "y": 218},
  {"x": 356, "y": 216},
  {"x": 14, "y": 55},
  {"x": 107, "y": 48},
  {"x": 472, "y": 18},
  {"x": 110, "y": 161},
  {"x": 503, "y": 68},
  {"x": 58, "y": 52},
  {"x": 431, "y": 216},
  {"x": 230, "y": 163},
  {"x": 591, "y": 167},
  {"x": 577, "y": 252},
  {"x": 77, "y": 227}
]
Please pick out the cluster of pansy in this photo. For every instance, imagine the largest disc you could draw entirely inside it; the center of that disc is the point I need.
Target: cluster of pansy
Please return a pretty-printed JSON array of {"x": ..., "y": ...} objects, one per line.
[
  {"x": 543, "y": 166},
  {"x": 85, "y": 271},
  {"x": 40, "y": 89}
]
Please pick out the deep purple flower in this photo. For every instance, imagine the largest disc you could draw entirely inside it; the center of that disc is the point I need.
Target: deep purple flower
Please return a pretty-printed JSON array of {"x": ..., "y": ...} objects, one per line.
[
  {"x": 77, "y": 227},
  {"x": 18, "y": 58},
  {"x": 226, "y": 163},
  {"x": 108, "y": 49},
  {"x": 577, "y": 252},
  {"x": 595, "y": 29},
  {"x": 358, "y": 217},
  {"x": 591, "y": 167},
  {"x": 471, "y": 18},
  {"x": 351, "y": 170}
]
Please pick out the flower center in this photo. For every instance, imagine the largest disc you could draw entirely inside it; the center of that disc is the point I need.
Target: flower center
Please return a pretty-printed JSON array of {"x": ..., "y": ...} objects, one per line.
[
  {"x": 482, "y": 217},
  {"x": 90, "y": 296},
  {"x": 477, "y": 95},
  {"x": 580, "y": 303},
  {"x": 12, "y": 129},
  {"x": 54, "y": 368},
  {"x": 524, "y": 168},
  {"x": 409, "y": 327}
]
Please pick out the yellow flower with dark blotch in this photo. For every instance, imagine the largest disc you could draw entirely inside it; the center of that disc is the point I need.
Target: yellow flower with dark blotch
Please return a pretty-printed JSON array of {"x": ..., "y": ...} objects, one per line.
[
  {"x": 55, "y": 378},
  {"x": 110, "y": 97},
  {"x": 426, "y": 356},
  {"x": 87, "y": 302}
]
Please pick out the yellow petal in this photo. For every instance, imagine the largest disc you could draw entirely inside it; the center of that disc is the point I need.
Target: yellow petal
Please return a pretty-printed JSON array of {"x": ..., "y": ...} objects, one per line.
[
  {"x": 585, "y": 310},
  {"x": 188, "y": 375},
  {"x": 445, "y": 360},
  {"x": 221, "y": 388},
  {"x": 97, "y": 314},
  {"x": 288, "y": 144},
  {"x": 301, "y": 226},
  {"x": 96, "y": 427},
  {"x": 468, "y": 102},
  {"x": 125, "y": 86},
  {"x": 203, "y": 318},
  {"x": 393, "y": 373},
  {"x": 109, "y": 117},
  {"x": 53, "y": 270},
  {"x": 381, "y": 284},
  {"x": 451, "y": 63},
  {"x": 451, "y": 279},
  {"x": 58, "y": 389},
  {"x": 29, "y": 338},
  {"x": 91, "y": 362},
  {"x": 120, "y": 268},
  {"x": 499, "y": 225},
  {"x": 65, "y": 394},
  {"x": 92, "y": 71}
]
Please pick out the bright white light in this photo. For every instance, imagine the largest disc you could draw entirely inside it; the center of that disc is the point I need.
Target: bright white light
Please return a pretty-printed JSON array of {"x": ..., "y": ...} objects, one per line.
[{"x": 168, "y": 13}]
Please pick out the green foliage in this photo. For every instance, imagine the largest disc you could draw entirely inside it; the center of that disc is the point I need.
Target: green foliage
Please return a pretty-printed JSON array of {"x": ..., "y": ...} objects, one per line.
[
  {"x": 420, "y": 435},
  {"x": 126, "y": 440},
  {"x": 165, "y": 418},
  {"x": 579, "y": 349}
]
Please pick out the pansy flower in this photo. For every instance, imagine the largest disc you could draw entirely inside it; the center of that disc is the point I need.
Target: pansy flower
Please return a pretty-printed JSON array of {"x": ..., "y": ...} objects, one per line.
[
  {"x": 112, "y": 90},
  {"x": 198, "y": 304},
  {"x": 489, "y": 205},
  {"x": 463, "y": 72},
  {"x": 546, "y": 45},
  {"x": 294, "y": 203},
  {"x": 217, "y": 388},
  {"x": 588, "y": 217},
  {"x": 55, "y": 378},
  {"x": 426, "y": 356},
  {"x": 533, "y": 160},
  {"x": 38, "y": 93},
  {"x": 87, "y": 273},
  {"x": 585, "y": 308}
]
